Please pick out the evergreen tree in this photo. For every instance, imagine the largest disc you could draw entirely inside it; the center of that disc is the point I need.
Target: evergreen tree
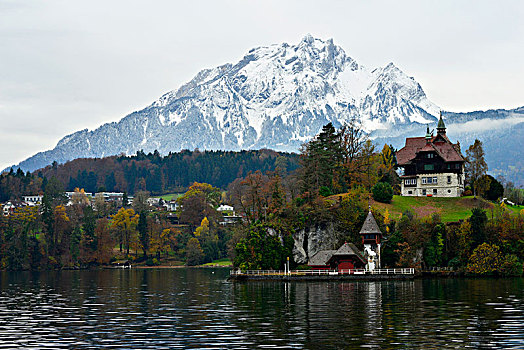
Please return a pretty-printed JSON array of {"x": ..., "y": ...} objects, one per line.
[
  {"x": 321, "y": 160},
  {"x": 110, "y": 182},
  {"x": 125, "y": 200},
  {"x": 90, "y": 240}
]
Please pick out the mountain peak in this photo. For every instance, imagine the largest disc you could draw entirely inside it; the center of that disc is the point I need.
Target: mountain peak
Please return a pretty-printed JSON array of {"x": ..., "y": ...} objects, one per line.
[
  {"x": 276, "y": 96},
  {"x": 308, "y": 39},
  {"x": 391, "y": 66}
]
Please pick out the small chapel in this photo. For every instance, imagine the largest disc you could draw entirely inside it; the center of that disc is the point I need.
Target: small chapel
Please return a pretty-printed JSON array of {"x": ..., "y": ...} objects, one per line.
[{"x": 431, "y": 166}]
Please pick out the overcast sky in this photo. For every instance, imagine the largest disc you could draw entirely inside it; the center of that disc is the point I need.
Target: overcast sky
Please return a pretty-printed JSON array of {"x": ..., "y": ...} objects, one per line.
[{"x": 69, "y": 65}]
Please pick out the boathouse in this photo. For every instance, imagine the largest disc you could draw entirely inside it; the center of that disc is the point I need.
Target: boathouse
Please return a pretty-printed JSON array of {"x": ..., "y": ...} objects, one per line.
[{"x": 345, "y": 258}]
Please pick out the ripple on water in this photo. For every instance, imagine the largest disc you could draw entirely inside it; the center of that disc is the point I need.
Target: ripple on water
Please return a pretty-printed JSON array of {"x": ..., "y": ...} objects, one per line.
[{"x": 192, "y": 308}]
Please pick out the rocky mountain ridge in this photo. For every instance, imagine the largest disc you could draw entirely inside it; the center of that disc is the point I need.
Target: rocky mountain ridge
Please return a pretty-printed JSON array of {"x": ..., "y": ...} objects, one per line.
[{"x": 277, "y": 97}]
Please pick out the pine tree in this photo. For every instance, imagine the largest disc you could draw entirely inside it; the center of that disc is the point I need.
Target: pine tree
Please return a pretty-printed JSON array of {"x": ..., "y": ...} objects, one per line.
[{"x": 321, "y": 159}]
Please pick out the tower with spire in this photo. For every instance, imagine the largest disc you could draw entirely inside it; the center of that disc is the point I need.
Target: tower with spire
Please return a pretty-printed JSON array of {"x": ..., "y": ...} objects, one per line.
[
  {"x": 371, "y": 238},
  {"x": 441, "y": 127}
]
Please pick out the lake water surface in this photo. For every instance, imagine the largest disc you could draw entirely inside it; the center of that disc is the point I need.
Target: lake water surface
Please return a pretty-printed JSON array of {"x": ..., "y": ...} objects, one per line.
[{"x": 198, "y": 308}]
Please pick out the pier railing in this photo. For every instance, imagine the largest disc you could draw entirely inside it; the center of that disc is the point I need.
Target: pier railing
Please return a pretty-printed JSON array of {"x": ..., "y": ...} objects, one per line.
[{"x": 398, "y": 271}]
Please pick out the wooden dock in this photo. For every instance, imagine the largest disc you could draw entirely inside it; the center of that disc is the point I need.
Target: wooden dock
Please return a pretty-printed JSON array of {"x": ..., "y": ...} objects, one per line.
[{"x": 321, "y": 275}]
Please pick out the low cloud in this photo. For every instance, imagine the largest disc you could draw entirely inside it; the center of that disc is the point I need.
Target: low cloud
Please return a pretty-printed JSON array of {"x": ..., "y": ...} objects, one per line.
[{"x": 482, "y": 125}]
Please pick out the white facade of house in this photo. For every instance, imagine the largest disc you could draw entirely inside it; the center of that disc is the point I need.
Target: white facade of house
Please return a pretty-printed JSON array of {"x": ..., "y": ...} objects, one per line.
[
  {"x": 433, "y": 185},
  {"x": 225, "y": 207},
  {"x": 171, "y": 205},
  {"x": 32, "y": 199}
]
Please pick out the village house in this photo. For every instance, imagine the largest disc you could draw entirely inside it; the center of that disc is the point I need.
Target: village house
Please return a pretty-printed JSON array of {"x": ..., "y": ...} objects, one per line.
[
  {"x": 225, "y": 207},
  {"x": 171, "y": 205},
  {"x": 33, "y": 199},
  {"x": 431, "y": 166}
]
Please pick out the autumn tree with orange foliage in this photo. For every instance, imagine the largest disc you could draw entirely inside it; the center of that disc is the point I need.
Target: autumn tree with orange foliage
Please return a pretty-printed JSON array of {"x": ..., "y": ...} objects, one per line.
[{"x": 124, "y": 223}]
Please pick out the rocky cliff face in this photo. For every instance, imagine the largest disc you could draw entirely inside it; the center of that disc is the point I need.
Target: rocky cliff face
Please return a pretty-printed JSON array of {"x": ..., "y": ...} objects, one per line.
[{"x": 311, "y": 240}]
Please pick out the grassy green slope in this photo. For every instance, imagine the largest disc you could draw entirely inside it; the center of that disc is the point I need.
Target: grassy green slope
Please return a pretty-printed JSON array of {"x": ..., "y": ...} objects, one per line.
[
  {"x": 169, "y": 196},
  {"x": 449, "y": 209}
]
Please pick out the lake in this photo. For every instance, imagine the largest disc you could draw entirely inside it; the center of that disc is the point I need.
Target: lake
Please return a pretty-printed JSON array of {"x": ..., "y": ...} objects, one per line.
[{"x": 198, "y": 308}]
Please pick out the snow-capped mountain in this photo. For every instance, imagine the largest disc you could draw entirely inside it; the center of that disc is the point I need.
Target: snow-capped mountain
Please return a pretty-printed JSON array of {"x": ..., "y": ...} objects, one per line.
[
  {"x": 280, "y": 96},
  {"x": 275, "y": 97}
]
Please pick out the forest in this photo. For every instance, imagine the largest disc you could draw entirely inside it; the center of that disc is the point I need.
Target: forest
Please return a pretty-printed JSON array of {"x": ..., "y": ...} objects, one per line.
[
  {"x": 333, "y": 180},
  {"x": 150, "y": 172}
]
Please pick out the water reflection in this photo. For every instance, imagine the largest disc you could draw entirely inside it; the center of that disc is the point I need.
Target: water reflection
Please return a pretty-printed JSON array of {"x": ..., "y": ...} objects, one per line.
[{"x": 197, "y": 308}]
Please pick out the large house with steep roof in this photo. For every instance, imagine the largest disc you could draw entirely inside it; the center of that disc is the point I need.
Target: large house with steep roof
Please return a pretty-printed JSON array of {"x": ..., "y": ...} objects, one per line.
[{"x": 432, "y": 165}]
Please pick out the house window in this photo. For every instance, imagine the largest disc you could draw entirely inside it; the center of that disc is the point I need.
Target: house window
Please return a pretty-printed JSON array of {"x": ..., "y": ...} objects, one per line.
[
  {"x": 424, "y": 192},
  {"x": 449, "y": 191},
  {"x": 448, "y": 166},
  {"x": 410, "y": 181},
  {"x": 410, "y": 192},
  {"x": 435, "y": 191},
  {"x": 460, "y": 180},
  {"x": 430, "y": 155},
  {"x": 428, "y": 167},
  {"x": 449, "y": 179},
  {"x": 429, "y": 180}
]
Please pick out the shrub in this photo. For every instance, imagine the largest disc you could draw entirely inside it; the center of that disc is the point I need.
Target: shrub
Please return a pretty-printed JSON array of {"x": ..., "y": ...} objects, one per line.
[
  {"x": 495, "y": 190},
  {"x": 485, "y": 260},
  {"x": 455, "y": 263},
  {"x": 325, "y": 191},
  {"x": 299, "y": 201},
  {"x": 382, "y": 192},
  {"x": 510, "y": 266}
]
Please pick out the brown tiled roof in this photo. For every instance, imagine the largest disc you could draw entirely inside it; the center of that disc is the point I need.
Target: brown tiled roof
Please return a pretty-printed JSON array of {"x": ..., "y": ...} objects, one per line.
[
  {"x": 321, "y": 258},
  {"x": 409, "y": 151},
  {"x": 348, "y": 249},
  {"x": 370, "y": 225},
  {"x": 448, "y": 152},
  {"x": 446, "y": 149}
]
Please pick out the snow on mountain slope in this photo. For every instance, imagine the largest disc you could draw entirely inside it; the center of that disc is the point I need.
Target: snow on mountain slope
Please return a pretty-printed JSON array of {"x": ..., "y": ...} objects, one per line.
[{"x": 276, "y": 96}]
